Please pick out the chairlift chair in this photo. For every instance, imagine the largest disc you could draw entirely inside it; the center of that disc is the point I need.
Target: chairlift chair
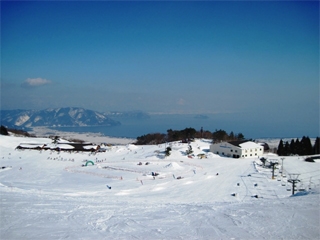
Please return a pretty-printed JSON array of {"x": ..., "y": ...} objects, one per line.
[
  {"x": 288, "y": 187},
  {"x": 301, "y": 187}
]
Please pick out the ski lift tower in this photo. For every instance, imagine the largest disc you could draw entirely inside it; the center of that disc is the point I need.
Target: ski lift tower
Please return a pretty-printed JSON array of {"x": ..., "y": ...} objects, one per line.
[
  {"x": 273, "y": 164},
  {"x": 282, "y": 166},
  {"x": 293, "y": 180}
]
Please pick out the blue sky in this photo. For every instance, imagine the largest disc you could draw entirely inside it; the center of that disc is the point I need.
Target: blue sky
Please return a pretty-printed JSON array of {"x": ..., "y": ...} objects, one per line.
[{"x": 260, "y": 58}]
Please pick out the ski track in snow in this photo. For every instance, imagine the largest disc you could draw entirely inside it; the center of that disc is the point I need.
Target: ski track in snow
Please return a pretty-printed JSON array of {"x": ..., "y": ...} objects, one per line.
[{"x": 51, "y": 197}]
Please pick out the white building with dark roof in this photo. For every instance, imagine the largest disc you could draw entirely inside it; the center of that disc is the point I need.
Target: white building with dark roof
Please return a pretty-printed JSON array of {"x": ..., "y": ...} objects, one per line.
[{"x": 237, "y": 149}]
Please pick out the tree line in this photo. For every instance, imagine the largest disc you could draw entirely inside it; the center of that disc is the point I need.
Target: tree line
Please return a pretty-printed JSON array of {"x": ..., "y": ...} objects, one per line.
[
  {"x": 186, "y": 135},
  {"x": 5, "y": 131},
  {"x": 298, "y": 147}
]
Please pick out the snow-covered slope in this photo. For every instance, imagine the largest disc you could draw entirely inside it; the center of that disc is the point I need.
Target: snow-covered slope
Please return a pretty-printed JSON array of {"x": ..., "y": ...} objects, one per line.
[{"x": 50, "y": 195}]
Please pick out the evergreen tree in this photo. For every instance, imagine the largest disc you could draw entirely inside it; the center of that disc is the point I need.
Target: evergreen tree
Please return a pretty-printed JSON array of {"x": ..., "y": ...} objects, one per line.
[
  {"x": 4, "y": 131},
  {"x": 219, "y": 135},
  {"x": 293, "y": 149},
  {"x": 280, "y": 150},
  {"x": 302, "y": 146},
  {"x": 55, "y": 140},
  {"x": 184, "y": 135},
  {"x": 188, "y": 132},
  {"x": 286, "y": 149},
  {"x": 309, "y": 148},
  {"x": 298, "y": 146},
  {"x": 316, "y": 147},
  {"x": 306, "y": 146},
  {"x": 189, "y": 151},
  {"x": 240, "y": 136},
  {"x": 168, "y": 151},
  {"x": 231, "y": 136}
]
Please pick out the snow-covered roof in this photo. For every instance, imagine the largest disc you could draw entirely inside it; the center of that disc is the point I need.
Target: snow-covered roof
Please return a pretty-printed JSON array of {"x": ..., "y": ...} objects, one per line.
[
  {"x": 249, "y": 144},
  {"x": 63, "y": 146},
  {"x": 26, "y": 145},
  {"x": 90, "y": 147},
  {"x": 245, "y": 144}
]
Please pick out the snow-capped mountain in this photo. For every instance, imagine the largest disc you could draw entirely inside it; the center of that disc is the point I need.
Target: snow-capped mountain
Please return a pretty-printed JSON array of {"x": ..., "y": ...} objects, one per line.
[{"x": 69, "y": 116}]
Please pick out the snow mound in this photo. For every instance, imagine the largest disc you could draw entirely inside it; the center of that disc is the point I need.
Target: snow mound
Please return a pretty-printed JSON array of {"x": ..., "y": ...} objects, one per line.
[
  {"x": 173, "y": 165},
  {"x": 132, "y": 147}
]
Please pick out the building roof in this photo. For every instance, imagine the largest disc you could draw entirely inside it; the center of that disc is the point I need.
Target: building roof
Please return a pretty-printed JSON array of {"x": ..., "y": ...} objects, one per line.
[
  {"x": 244, "y": 144},
  {"x": 237, "y": 143},
  {"x": 59, "y": 146}
]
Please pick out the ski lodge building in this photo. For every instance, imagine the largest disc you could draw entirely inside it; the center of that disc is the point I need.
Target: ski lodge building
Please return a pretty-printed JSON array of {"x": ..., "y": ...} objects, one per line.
[{"x": 237, "y": 149}]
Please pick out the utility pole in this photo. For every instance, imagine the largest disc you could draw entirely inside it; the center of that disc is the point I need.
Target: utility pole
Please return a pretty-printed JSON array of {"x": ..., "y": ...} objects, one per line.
[
  {"x": 273, "y": 165},
  {"x": 293, "y": 180},
  {"x": 282, "y": 166}
]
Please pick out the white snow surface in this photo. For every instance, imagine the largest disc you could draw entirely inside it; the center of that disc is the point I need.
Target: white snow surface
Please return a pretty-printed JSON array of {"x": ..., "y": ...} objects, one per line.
[{"x": 50, "y": 195}]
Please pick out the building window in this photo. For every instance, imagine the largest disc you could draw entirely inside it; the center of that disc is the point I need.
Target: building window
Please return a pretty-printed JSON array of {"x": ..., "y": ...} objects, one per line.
[
  {"x": 236, "y": 150},
  {"x": 217, "y": 152},
  {"x": 231, "y": 150}
]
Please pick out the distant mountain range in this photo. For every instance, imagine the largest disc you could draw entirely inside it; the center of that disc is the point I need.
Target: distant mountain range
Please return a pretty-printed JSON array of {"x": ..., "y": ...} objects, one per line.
[{"x": 58, "y": 117}]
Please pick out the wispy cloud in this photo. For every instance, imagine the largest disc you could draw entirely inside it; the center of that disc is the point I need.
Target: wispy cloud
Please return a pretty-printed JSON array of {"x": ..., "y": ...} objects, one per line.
[{"x": 35, "y": 82}]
